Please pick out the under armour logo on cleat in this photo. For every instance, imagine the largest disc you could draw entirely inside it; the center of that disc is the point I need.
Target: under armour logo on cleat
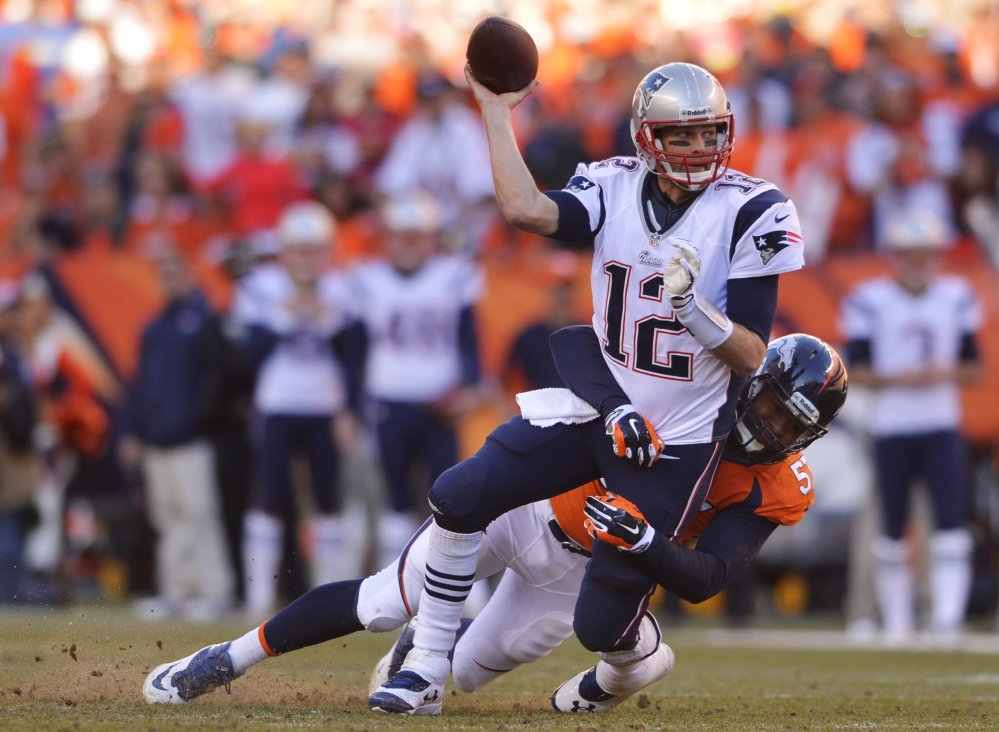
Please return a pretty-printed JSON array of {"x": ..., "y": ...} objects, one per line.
[
  {"x": 577, "y": 707},
  {"x": 428, "y": 698}
]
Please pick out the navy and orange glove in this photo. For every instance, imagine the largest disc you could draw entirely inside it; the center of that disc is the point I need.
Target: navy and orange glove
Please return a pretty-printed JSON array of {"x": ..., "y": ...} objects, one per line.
[
  {"x": 633, "y": 436},
  {"x": 618, "y": 522}
]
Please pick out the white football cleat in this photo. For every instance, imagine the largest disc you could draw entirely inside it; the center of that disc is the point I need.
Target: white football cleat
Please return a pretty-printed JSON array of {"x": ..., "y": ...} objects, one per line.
[
  {"x": 582, "y": 693},
  {"x": 181, "y": 681},
  {"x": 407, "y": 693}
]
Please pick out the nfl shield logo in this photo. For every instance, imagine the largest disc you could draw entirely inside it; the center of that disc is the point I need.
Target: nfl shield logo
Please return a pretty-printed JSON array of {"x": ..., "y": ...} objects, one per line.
[{"x": 654, "y": 240}]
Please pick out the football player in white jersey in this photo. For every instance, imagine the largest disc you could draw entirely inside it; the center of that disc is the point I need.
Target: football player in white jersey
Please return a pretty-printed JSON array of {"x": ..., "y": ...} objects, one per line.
[
  {"x": 684, "y": 278},
  {"x": 298, "y": 327},
  {"x": 422, "y": 365},
  {"x": 911, "y": 338}
]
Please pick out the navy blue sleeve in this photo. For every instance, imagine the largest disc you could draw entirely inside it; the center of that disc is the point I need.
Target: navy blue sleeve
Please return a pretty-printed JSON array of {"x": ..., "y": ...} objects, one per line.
[
  {"x": 858, "y": 352},
  {"x": 257, "y": 345},
  {"x": 350, "y": 346},
  {"x": 752, "y": 303},
  {"x": 131, "y": 422},
  {"x": 725, "y": 548},
  {"x": 969, "y": 348},
  {"x": 581, "y": 365},
  {"x": 573, "y": 221},
  {"x": 468, "y": 346}
]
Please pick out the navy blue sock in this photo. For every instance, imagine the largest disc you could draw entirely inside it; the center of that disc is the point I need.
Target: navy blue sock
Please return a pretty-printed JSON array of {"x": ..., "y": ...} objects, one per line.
[{"x": 322, "y": 614}]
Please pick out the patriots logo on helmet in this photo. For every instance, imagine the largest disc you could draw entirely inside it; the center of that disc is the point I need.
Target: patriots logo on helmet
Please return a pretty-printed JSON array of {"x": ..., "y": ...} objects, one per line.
[
  {"x": 578, "y": 184},
  {"x": 653, "y": 83},
  {"x": 773, "y": 243}
]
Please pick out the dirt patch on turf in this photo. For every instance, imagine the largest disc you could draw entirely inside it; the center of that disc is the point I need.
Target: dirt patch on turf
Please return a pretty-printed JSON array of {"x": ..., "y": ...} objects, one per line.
[{"x": 75, "y": 672}]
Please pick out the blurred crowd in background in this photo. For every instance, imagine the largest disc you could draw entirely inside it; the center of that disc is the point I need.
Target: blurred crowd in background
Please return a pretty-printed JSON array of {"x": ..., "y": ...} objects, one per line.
[{"x": 161, "y": 165}]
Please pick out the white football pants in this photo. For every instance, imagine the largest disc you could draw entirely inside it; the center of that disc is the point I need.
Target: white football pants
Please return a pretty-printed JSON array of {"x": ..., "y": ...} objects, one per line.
[{"x": 527, "y": 617}]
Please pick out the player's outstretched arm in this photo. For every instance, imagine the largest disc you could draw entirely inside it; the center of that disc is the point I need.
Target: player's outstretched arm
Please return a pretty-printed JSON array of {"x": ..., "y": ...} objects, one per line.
[
  {"x": 726, "y": 547},
  {"x": 522, "y": 204}
]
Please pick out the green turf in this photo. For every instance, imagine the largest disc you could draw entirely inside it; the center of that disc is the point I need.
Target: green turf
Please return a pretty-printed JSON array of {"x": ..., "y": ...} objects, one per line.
[{"x": 323, "y": 688}]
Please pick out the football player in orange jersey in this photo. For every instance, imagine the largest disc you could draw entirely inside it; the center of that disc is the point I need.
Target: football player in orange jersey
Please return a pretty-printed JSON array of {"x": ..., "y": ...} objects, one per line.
[{"x": 762, "y": 483}]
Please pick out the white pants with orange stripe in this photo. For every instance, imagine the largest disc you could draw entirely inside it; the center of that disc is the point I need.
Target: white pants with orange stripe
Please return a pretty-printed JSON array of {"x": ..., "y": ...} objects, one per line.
[{"x": 529, "y": 614}]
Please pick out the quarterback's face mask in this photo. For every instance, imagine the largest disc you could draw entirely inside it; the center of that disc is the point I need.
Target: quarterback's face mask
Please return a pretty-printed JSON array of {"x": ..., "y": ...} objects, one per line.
[
  {"x": 690, "y": 155},
  {"x": 770, "y": 426}
]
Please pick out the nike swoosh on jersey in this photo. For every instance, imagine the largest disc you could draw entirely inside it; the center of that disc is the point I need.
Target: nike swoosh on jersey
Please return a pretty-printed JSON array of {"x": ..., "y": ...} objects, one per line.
[{"x": 778, "y": 219}]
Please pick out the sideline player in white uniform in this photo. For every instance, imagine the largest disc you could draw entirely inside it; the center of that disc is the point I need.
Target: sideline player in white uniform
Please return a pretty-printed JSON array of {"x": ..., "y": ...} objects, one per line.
[
  {"x": 911, "y": 338},
  {"x": 422, "y": 365},
  {"x": 764, "y": 482},
  {"x": 684, "y": 279},
  {"x": 295, "y": 315}
]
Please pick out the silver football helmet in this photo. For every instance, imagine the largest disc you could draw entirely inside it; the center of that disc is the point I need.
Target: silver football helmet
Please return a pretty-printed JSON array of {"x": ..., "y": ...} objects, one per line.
[{"x": 681, "y": 94}]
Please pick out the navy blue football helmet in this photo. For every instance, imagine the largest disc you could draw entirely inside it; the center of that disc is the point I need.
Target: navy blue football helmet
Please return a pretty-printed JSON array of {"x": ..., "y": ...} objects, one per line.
[{"x": 809, "y": 379}]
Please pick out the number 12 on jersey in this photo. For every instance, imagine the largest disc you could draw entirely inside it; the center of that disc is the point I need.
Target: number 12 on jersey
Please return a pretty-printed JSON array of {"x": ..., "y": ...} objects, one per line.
[{"x": 678, "y": 365}]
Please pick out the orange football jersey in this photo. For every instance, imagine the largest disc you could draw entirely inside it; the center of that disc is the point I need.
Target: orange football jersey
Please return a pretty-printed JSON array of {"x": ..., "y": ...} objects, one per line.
[{"x": 781, "y": 493}]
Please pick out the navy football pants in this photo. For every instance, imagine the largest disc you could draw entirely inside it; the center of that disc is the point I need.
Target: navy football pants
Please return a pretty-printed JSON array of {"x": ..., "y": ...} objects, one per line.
[
  {"x": 283, "y": 435},
  {"x": 407, "y": 433},
  {"x": 939, "y": 457},
  {"x": 520, "y": 464}
]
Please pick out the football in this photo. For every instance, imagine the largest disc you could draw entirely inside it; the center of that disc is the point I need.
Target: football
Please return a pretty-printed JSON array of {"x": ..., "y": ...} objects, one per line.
[{"x": 502, "y": 55}]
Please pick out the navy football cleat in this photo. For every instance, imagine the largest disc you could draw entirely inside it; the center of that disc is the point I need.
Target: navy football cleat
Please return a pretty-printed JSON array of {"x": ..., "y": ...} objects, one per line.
[
  {"x": 407, "y": 693},
  {"x": 181, "y": 681}
]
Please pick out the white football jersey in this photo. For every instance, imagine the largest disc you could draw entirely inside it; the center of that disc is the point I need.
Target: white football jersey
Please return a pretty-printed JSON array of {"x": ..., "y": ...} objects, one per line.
[
  {"x": 301, "y": 375},
  {"x": 910, "y": 333},
  {"x": 741, "y": 226},
  {"x": 412, "y": 324}
]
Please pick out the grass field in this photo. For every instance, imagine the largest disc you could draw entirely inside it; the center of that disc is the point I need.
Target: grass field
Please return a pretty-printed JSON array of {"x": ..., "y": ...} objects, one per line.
[{"x": 83, "y": 669}]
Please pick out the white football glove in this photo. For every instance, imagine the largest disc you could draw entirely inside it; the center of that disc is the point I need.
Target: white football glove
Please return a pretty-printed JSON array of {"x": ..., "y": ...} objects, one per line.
[{"x": 681, "y": 271}]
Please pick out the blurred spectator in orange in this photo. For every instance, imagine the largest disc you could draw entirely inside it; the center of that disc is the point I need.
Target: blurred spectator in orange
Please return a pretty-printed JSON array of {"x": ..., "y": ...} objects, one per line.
[
  {"x": 162, "y": 210},
  {"x": 67, "y": 390}
]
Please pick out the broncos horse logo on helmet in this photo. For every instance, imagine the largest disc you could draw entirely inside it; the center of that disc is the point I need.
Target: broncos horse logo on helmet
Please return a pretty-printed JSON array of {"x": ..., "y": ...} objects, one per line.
[{"x": 809, "y": 379}]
